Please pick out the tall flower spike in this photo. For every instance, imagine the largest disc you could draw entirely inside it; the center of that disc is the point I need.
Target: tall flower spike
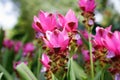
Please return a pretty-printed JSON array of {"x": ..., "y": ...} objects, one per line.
[
  {"x": 44, "y": 22},
  {"x": 70, "y": 21},
  {"x": 87, "y": 5}
]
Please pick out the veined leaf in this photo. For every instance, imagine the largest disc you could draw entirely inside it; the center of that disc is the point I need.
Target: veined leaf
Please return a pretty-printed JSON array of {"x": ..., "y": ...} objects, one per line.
[
  {"x": 70, "y": 74},
  {"x": 25, "y": 72},
  {"x": 7, "y": 75},
  {"x": 78, "y": 71}
]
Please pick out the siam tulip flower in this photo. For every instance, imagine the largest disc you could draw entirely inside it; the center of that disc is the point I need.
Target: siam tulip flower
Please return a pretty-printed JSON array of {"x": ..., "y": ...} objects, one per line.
[
  {"x": 17, "y": 63},
  {"x": 99, "y": 38},
  {"x": 45, "y": 61},
  {"x": 8, "y": 43},
  {"x": 28, "y": 49},
  {"x": 57, "y": 39},
  {"x": 17, "y": 46},
  {"x": 44, "y": 22},
  {"x": 87, "y": 5},
  {"x": 70, "y": 21}
]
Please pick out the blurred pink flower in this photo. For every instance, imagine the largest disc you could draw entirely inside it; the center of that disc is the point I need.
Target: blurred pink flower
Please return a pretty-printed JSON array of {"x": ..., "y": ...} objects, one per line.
[
  {"x": 44, "y": 22},
  {"x": 117, "y": 76},
  {"x": 57, "y": 39},
  {"x": 8, "y": 43},
  {"x": 75, "y": 56},
  {"x": 70, "y": 21},
  {"x": 17, "y": 46},
  {"x": 28, "y": 49},
  {"x": 86, "y": 55},
  {"x": 87, "y": 5},
  {"x": 45, "y": 61}
]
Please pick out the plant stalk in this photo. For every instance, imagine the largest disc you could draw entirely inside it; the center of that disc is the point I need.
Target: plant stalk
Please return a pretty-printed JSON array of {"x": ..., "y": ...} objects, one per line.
[{"x": 91, "y": 57}]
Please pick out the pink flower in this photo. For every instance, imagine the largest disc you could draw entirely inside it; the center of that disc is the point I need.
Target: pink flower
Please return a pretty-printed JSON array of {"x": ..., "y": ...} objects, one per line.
[
  {"x": 99, "y": 38},
  {"x": 57, "y": 39},
  {"x": 17, "y": 46},
  {"x": 45, "y": 61},
  {"x": 109, "y": 40},
  {"x": 44, "y": 22},
  {"x": 28, "y": 49},
  {"x": 8, "y": 43},
  {"x": 112, "y": 43},
  {"x": 70, "y": 21},
  {"x": 87, "y": 5}
]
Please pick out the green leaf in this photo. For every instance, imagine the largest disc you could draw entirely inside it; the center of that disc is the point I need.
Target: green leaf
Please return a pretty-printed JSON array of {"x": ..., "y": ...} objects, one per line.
[
  {"x": 1, "y": 74},
  {"x": 53, "y": 77},
  {"x": 7, "y": 75},
  {"x": 78, "y": 71},
  {"x": 98, "y": 75},
  {"x": 25, "y": 72},
  {"x": 70, "y": 75}
]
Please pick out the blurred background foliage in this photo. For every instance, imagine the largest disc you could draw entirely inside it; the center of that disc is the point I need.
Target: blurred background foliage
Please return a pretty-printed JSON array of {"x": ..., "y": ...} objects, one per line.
[{"x": 28, "y": 8}]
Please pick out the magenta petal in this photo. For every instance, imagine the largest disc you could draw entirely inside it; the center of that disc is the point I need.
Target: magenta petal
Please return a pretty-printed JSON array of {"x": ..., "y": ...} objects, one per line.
[
  {"x": 47, "y": 43},
  {"x": 61, "y": 20},
  {"x": 45, "y": 60}
]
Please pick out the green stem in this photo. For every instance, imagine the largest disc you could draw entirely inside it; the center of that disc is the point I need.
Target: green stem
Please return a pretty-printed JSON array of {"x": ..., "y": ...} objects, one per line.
[
  {"x": 38, "y": 63},
  {"x": 91, "y": 57}
]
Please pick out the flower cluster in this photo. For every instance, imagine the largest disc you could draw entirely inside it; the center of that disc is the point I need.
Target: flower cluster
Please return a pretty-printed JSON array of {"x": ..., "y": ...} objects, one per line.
[
  {"x": 109, "y": 41},
  {"x": 57, "y": 32}
]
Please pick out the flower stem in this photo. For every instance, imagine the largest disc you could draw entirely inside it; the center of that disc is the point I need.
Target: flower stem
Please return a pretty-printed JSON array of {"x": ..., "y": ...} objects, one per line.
[
  {"x": 38, "y": 63},
  {"x": 91, "y": 57}
]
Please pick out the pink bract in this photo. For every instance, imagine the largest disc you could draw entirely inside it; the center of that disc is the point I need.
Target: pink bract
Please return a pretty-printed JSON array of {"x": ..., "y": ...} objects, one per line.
[
  {"x": 69, "y": 21},
  {"x": 45, "y": 61},
  {"x": 44, "y": 22},
  {"x": 87, "y": 5},
  {"x": 99, "y": 38},
  {"x": 57, "y": 39}
]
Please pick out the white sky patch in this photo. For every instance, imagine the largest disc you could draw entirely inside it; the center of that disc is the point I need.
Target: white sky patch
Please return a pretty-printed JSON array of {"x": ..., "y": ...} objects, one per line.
[
  {"x": 116, "y": 5},
  {"x": 8, "y": 15},
  {"x": 98, "y": 17}
]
